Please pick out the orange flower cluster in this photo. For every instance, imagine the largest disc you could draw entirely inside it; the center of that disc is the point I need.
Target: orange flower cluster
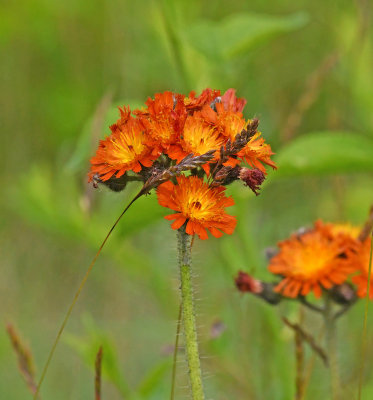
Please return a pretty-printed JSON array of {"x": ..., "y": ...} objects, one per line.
[
  {"x": 321, "y": 258},
  {"x": 173, "y": 127}
]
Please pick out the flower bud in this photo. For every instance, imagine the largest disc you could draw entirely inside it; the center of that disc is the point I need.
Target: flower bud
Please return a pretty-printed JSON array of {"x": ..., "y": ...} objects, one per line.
[
  {"x": 247, "y": 284},
  {"x": 252, "y": 178}
]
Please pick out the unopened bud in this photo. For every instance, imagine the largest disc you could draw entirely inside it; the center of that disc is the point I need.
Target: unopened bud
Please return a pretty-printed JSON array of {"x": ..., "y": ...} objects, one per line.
[
  {"x": 246, "y": 283},
  {"x": 252, "y": 178}
]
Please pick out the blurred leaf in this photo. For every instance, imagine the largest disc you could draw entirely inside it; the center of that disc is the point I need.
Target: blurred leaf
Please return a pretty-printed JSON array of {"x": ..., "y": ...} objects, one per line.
[
  {"x": 237, "y": 33},
  {"x": 325, "y": 153},
  {"x": 87, "y": 348},
  {"x": 154, "y": 378}
]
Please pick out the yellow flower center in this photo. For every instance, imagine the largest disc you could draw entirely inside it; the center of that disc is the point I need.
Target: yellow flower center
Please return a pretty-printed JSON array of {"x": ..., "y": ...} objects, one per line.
[{"x": 127, "y": 146}]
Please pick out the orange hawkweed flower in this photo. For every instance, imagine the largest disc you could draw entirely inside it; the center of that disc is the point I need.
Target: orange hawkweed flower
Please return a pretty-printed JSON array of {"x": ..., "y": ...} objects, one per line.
[
  {"x": 163, "y": 119},
  {"x": 312, "y": 260},
  {"x": 257, "y": 152},
  {"x": 197, "y": 138},
  {"x": 196, "y": 203},
  {"x": 360, "y": 258},
  {"x": 229, "y": 122},
  {"x": 124, "y": 150}
]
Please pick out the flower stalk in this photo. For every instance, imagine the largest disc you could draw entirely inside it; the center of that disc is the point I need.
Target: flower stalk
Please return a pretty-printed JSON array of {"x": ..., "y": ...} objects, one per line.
[
  {"x": 188, "y": 315},
  {"x": 331, "y": 345}
]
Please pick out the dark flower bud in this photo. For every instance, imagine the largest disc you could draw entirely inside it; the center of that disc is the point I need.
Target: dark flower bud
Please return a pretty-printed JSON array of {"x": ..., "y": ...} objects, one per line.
[
  {"x": 344, "y": 294},
  {"x": 252, "y": 178},
  {"x": 247, "y": 284}
]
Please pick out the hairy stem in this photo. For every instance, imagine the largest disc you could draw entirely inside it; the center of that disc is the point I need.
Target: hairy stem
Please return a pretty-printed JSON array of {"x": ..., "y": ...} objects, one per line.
[
  {"x": 331, "y": 345},
  {"x": 188, "y": 315}
]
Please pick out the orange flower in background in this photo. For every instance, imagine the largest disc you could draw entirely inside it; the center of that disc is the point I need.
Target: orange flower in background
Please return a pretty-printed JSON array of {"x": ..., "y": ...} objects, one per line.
[
  {"x": 311, "y": 261},
  {"x": 334, "y": 230},
  {"x": 196, "y": 203},
  {"x": 163, "y": 119},
  {"x": 125, "y": 149},
  {"x": 360, "y": 258}
]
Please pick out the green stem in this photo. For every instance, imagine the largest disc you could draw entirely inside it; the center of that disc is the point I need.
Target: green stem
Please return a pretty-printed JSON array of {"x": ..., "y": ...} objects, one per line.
[
  {"x": 188, "y": 315},
  {"x": 331, "y": 345}
]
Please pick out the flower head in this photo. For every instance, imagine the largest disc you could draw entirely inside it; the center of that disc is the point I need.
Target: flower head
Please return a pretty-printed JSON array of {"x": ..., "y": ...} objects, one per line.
[
  {"x": 124, "y": 150},
  {"x": 228, "y": 120},
  {"x": 257, "y": 152},
  {"x": 312, "y": 260},
  {"x": 163, "y": 119},
  {"x": 197, "y": 139},
  {"x": 199, "y": 205}
]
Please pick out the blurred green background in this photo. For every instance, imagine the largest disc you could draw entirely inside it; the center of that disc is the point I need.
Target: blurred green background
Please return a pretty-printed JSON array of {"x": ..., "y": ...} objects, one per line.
[{"x": 305, "y": 69}]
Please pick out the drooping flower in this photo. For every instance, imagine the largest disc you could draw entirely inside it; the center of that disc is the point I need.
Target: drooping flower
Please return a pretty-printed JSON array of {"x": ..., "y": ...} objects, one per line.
[
  {"x": 360, "y": 258},
  {"x": 198, "y": 204},
  {"x": 311, "y": 261},
  {"x": 257, "y": 152},
  {"x": 124, "y": 150}
]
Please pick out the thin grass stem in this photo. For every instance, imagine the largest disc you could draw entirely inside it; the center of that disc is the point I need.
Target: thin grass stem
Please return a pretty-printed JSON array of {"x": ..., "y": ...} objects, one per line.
[
  {"x": 76, "y": 296},
  {"x": 364, "y": 336}
]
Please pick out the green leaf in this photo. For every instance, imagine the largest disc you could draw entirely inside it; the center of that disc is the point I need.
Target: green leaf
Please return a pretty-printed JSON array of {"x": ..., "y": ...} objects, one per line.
[
  {"x": 154, "y": 378},
  {"x": 325, "y": 153},
  {"x": 237, "y": 33}
]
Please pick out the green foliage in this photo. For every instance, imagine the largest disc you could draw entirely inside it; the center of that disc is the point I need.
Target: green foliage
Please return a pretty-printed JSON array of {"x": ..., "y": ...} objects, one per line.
[
  {"x": 326, "y": 152},
  {"x": 87, "y": 348},
  {"x": 236, "y": 34}
]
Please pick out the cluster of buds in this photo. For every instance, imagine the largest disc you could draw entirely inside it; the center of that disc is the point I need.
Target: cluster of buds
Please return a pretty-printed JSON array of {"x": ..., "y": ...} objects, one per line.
[{"x": 196, "y": 144}]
